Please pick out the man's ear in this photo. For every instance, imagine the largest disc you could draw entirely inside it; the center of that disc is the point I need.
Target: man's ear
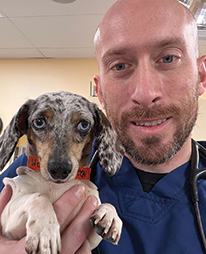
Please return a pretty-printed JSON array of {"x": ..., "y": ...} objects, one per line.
[
  {"x": 202, "y": 74},
  {"x": 98, "y": 90}
]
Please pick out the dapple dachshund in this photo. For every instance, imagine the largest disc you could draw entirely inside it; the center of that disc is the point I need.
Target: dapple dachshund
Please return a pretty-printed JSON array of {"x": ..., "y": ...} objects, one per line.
[{"x": 60, "y": 129}]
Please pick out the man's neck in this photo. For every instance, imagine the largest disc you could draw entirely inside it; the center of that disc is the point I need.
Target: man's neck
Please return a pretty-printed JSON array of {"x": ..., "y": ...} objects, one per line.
[{"x": 181, "y": 157}]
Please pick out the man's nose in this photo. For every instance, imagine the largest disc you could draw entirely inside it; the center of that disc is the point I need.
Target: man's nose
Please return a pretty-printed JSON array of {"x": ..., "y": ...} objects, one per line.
[{"x": 147, "y": 85}]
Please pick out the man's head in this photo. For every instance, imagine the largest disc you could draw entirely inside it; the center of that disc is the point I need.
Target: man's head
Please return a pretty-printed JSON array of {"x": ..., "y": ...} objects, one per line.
[{"x": 150, "y": 78}]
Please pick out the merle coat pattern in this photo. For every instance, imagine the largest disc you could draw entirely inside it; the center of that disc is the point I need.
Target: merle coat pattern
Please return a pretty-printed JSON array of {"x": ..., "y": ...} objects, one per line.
[{"x": 60, "y": 129}]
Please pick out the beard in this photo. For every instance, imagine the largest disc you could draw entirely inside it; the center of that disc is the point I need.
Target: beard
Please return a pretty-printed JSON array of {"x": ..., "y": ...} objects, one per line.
[{"x": 152, "y": 149}]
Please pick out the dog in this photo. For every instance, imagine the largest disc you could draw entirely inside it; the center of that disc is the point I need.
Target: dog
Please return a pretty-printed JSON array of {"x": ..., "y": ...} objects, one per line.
[{"x": 60, "y": 129}]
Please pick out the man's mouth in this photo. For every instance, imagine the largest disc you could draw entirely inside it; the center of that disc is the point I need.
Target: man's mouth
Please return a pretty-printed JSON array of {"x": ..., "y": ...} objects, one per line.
[{"x": 150, "y": 123}]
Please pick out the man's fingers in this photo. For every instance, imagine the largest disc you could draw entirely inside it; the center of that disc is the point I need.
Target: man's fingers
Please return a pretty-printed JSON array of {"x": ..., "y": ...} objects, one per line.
[
  {"x": 8, "y": 246},
  {"x": 74, "y": 237},
  {"x": 5, "y": 196},
  {"x": 84, "y": 249},
  {"x": 79, "y": 229},
  {"x": 67, "y": 203}
]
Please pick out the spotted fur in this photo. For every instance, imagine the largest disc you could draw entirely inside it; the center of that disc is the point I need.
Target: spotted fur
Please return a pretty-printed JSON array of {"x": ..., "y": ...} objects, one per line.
[
  {"x": 60, "y": 129},
  {"x": 63, "y": 106}
]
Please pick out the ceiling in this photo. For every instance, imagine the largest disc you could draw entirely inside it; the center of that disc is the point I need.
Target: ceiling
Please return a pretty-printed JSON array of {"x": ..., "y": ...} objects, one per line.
[{"x": 48, "y": 29}]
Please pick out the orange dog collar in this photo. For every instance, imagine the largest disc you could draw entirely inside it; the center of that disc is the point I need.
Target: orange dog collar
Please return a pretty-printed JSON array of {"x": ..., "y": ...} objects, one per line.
[
  {"x": 33, "y": 163},
  {"x": 82, "y": 174}
]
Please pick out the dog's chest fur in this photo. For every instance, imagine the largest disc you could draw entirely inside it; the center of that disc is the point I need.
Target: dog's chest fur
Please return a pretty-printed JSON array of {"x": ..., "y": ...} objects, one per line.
[{"x": 30, "y": 182}]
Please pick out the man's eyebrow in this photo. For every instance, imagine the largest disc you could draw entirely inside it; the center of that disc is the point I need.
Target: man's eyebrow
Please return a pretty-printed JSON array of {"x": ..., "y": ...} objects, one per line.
[
  {"x": 115, "y": 52},
  {"x": 170, "y": 42}
]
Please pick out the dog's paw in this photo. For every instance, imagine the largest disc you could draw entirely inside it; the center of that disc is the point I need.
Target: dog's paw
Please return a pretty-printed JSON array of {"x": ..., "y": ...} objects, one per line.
[
  {"x": 43, "y": 240},
  {"x": 107, "y": 223}
]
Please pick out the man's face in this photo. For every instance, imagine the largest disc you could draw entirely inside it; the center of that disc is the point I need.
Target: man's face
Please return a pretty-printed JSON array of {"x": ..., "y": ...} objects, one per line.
[{"x": 148, "y": 82}]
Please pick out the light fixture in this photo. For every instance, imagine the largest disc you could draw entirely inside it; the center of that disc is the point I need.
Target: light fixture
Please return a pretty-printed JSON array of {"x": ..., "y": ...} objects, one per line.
[
  {"x": 64, "y": 1},
  {"x": 198, "y": 8}
]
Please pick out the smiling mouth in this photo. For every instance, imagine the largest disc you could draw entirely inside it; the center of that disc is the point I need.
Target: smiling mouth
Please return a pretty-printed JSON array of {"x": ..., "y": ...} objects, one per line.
[{"x": 150, "y": 123}]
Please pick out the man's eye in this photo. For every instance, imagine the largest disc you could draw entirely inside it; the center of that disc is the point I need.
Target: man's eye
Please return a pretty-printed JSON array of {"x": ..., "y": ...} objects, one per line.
[
  {"x": 120, "y": 67},
  {"x": 168, "y": 59}
]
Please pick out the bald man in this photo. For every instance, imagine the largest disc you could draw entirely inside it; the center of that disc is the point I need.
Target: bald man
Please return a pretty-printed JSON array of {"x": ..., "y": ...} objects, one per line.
[{"x": 149, "y": 83}]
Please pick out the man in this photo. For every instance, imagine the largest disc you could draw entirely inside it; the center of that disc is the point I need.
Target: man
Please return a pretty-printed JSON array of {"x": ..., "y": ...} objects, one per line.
[{"x": 149, "y": 83}]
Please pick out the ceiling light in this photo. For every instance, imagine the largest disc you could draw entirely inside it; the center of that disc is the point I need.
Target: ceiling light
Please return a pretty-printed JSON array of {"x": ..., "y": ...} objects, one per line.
[
  {"x": 64, "y": 1},
  {"x": 198, "y": 8}
]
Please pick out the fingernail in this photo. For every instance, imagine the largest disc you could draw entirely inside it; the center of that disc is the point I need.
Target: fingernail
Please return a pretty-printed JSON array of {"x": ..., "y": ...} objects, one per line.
[
  {"x": 79, "y": 191},
  {"x": 94, "y": 200},
  {"x": 3, "y": 190}
]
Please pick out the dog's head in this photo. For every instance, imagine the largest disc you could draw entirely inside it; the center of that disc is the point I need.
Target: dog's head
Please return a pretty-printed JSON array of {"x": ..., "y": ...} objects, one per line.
[{"x": 60, "y": 129}]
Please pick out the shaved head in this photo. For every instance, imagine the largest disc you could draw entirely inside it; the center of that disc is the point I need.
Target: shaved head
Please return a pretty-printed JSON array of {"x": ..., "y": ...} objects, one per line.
[
  {"x": 129, "y": 10},
  {"x": 149, "y": 78}
]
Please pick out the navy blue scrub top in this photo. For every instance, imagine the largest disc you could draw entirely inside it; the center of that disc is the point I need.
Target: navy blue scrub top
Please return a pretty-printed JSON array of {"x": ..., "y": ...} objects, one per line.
[{"x": 159, "y": 222}]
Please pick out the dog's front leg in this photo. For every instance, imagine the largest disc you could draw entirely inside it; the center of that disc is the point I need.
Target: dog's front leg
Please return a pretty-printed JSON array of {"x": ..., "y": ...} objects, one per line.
[
  {"x": 107, "y": 223},
  {"x": 43, "y": 230}
]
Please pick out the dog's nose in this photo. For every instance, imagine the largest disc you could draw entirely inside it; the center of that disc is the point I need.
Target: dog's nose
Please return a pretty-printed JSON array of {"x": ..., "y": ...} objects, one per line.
[{"x": 59, "y": 170}]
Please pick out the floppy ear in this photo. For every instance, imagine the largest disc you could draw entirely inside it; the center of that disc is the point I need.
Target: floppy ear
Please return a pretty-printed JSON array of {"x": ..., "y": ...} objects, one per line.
[
  {"x": 16, "y": 128},
  {"x": 110, "y": 149}
]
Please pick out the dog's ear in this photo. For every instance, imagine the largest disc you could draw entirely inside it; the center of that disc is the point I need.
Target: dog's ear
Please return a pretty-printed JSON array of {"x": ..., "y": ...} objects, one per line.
[
  {"x": 109, "y": 147},
  {"x": 16, "y": 128}
]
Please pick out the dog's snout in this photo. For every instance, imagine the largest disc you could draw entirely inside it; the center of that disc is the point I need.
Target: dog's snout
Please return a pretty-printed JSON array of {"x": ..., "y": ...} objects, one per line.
[{"x": 59, "y": 170}]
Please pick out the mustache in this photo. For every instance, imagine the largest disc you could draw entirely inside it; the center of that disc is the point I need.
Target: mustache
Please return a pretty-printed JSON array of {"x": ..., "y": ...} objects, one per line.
[{"x": 151, "y": 113}]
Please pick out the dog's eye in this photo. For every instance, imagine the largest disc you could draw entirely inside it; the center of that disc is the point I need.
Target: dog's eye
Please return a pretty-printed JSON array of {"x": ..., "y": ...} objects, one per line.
[
  {"x": 83, "y": 126},
  {"x": 39, "y": 123}
]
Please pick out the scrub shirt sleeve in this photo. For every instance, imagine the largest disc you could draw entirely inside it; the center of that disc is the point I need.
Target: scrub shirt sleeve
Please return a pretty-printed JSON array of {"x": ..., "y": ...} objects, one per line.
[{"x": 11, "y": 170}]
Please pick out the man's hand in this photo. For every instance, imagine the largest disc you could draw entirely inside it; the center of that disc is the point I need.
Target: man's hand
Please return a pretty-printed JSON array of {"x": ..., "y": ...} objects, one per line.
[
  {"x": 9, "y": 246},
  {"x": 73, "y": 237}
]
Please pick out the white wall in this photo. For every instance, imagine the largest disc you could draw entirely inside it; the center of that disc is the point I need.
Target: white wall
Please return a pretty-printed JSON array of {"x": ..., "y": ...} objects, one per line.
[{"x": 199, "y": 132}]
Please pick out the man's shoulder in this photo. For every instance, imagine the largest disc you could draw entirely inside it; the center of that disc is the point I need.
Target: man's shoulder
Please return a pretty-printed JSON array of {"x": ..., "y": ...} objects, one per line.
[{"x": 203, "y": 143}]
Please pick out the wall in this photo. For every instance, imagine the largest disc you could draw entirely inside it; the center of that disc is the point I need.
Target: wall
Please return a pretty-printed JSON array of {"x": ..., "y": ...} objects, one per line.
[
  {"x": 21, "y": 80},
  {"x": 24, "y": 79},
  {"x": 199, "y": 132}
]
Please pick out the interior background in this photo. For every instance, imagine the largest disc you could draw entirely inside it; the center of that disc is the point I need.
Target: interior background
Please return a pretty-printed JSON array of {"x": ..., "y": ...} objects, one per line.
[{"x": 47, "y": 46}]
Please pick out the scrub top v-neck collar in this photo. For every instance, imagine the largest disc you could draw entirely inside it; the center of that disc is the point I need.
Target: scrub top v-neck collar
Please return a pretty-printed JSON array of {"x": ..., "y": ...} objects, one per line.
[
  {"x": 168, "y": 186},
  {"x": 159, "y": 201}
]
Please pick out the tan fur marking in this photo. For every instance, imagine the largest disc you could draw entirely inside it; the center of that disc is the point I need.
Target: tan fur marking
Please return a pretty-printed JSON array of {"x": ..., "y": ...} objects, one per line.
[
  {"x": 44, "y": 153},
  {"x": 49, "y": 114},
  {"x": 75, "y": 117}
]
